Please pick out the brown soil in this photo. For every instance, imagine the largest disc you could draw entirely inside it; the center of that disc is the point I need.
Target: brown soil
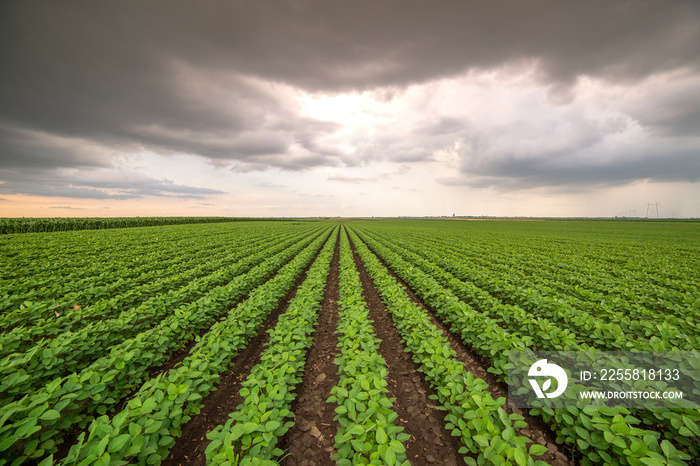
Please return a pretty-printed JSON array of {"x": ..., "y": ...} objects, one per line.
[
  {"x": 310, "y": 441},
  {"x": 430, "y": 442},
  {"x": 537, "y": 429},
  {"x": 189, "y": 448}
]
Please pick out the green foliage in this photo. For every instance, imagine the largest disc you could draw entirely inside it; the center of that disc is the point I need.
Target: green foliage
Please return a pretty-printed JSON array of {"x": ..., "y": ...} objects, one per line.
[
  {"x": 75, "y": 348},
  {"x": 367, "y": 433},
  {"x": 86, "y": 315},
  {"x": 485, "y": 429},
  {"x": 254, "y": 428},
  {"x": 500, "y": 324},
  {"x": 167, "y": 401},
  {"x": 43, "y": 225},
  {"x": 81, "y": 396}
]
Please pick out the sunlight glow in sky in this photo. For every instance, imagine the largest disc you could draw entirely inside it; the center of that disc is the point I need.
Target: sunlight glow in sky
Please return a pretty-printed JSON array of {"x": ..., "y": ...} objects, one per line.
[{"x": 317, "y": 109}]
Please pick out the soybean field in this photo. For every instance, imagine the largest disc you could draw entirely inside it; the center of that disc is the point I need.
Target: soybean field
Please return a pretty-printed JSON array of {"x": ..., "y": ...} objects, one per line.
[{"x": 333, "y": 342}]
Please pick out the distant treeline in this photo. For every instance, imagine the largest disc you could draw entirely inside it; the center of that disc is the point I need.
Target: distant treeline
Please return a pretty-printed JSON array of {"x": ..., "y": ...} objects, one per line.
[{"x": 35, "y": 225}]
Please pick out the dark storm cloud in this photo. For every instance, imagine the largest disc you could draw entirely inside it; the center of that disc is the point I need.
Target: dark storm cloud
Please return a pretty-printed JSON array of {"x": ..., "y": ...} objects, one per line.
[
  {"x": 122, "y": 79},
  {"x": 110, "y": 60},
  {"x": 189, "y": 77},
  {"x": 20, "y": 148},
  {"x": 90, "y": 184},
  {"x": 143, "y": 186},
  {"x": 672, "y": 111},
  {"x": 341, "y": 45},
  {"x": 508, "y": 174},
  {"x": 538, "y": 145}
]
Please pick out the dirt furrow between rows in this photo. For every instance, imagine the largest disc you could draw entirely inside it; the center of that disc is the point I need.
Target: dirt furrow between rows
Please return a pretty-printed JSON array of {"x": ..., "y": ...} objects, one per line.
[
  {"x": 189, "y": 448},
  {"x": 310, "y": 441},
  {"x": 537, "y": 430},
  {"x": 430, "y": 442}
]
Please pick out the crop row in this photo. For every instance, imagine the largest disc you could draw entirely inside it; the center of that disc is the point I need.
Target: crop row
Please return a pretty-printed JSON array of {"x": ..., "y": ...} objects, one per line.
[
  {"x": 680, "y": 425},
  {"x": 56, "y": 261},
  {"x": 254, "y": 429},
  {"x": 575, "y": 270},
  {"x": 485, "y": 429},
  {"x": 71, "y": 400},
  {"x": 74, "y": 351},
  {"x": 99, "y": 279},
  {"x": 176, "y": 288},
  {"x": 145, "y": 429},
  {"x": 532, "y": 303},
  {"x": 367, "y": 433},
  {"x": 628, "y": 289},
  {"x": 105, "y": 277},
  {"x": 35, "y": 225},
  {"x": 609, "y": 436},
  {"x": 594, "y": 293},
  {"x": 634, "y": 268}
]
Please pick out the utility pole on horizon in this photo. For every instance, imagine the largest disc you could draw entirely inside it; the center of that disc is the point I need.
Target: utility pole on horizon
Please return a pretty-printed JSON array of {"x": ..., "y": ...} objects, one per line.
[{"x": 657, "y": 209}]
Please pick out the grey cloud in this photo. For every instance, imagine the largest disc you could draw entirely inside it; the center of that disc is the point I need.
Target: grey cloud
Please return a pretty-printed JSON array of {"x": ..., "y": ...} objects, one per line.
[
  {"x": 82, "y": 82},
  {"x": 143, "y": 186},
  {"x": 67, "y": 207},
  {"x": 116, "y": 184},
  {"x": 53, "y": 188},
  {"x": 35, "y": 149},
  {"x": 349, "y": 179},
  {"x": 573, "y": 175},
  {"x": 126, "y": 85},
  {"x": 443, "y": 126},
  {"x": 564, "y": 148},
  {"x": 287, "y": 162},
  {"x": 671, "y": 111},
  {"x": 56, "y": 59},
  {"x": 260, "y": 144},
  {"x": 365, "y": 44},
  {"x": 417, "y": 154}
]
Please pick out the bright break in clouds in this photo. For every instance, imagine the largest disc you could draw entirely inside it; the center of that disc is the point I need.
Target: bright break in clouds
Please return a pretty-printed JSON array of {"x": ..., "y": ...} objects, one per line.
[{"x": 304, "y": 108}]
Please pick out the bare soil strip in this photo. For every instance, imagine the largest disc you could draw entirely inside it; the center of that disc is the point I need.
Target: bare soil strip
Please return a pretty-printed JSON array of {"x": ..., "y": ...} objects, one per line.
[
  {"x": 537, "y": 430},
  {"x": 189, "y": 448},
  {"x": 430, "y": 442},
  {"x": 310, "y": 441}
]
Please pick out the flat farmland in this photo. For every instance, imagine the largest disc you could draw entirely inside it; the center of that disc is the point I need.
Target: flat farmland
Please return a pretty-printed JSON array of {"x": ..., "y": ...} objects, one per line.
[{"x": 335, "y": 342}]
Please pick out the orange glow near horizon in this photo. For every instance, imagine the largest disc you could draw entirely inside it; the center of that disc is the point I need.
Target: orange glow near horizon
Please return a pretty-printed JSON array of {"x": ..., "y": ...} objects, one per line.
[{"x": 16, "y": 206}]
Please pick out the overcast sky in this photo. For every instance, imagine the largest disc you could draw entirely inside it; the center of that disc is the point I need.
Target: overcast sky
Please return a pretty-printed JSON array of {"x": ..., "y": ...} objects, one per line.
[{"x": 349, "y": 108}]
